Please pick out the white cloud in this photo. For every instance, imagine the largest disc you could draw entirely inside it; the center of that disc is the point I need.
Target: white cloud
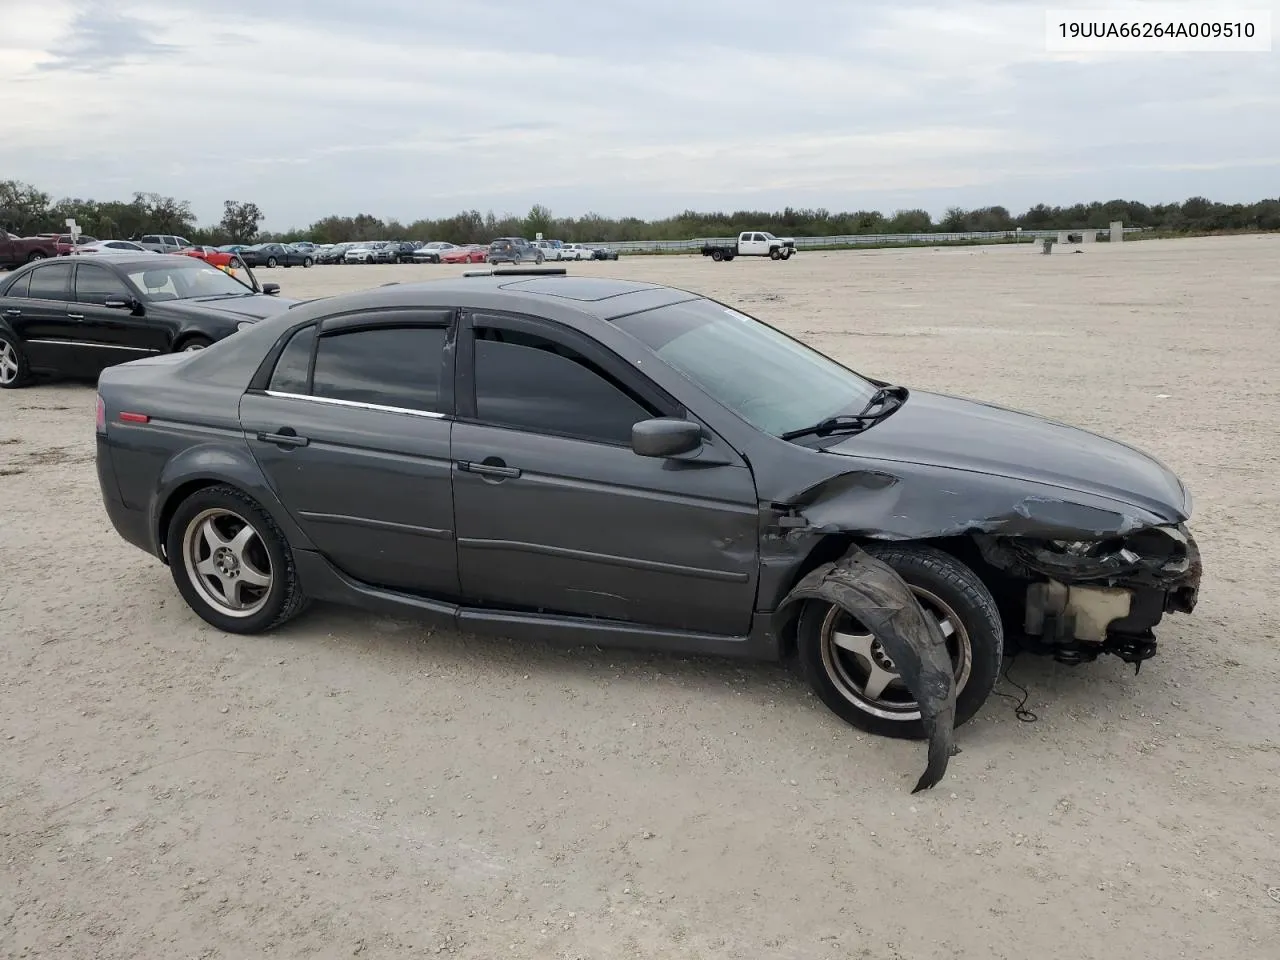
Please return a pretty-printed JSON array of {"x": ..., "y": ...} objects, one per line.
[{"x": 418, "y": 108}]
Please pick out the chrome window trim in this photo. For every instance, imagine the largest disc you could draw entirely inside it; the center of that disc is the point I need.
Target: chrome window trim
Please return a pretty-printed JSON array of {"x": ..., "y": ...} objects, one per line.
[
  {"x": 99, "y": 346},
  {"x": 382, "y": 408}
]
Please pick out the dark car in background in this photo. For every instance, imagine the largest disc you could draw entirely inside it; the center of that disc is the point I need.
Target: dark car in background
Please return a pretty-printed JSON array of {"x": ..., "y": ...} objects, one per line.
[
  {"x": 402, "y": 250},
  {"x": 514, "y": 250},
  {"x": 605, "y": 253},
  {"x": 275, "y": 255},
  {"x": 622, "y": 463},
  {"x": 75, "y": 316}
]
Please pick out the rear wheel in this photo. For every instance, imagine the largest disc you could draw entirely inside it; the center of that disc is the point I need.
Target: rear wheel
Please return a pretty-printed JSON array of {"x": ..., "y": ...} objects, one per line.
[
  {"x": 35, "y": 255},
  {"x": 717, "y": 255},
  {"x": 850, "y": 671},
  {"x": 14, "y": 371},
  {"x": 271, "y": 262},
  {"x": 191, "y": 344},
  {"x": 307, "y": 261},
  {"x": 235, "y": 263},
  {"x": 231, "y": 563}
]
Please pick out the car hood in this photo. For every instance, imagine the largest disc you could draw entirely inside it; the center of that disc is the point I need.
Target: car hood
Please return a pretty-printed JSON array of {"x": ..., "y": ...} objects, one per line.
[
  {"x": 952, "y": 432},
  {"x": 248, "y": 308}
]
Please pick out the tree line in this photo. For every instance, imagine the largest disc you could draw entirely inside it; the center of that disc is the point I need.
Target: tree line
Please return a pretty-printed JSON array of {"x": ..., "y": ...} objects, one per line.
[{"x": 25, "y": 209}]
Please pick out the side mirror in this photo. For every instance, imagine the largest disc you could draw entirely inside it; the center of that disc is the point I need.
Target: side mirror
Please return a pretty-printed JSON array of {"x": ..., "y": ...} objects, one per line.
[
  {"x": 271, "y": 289},
  {"x": 120, "y": 303},
  {"x": 665, "y": 437}
]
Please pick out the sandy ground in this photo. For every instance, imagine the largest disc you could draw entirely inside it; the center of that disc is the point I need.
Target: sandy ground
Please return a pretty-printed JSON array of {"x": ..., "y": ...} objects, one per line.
[{"x": 357, "y": 786}]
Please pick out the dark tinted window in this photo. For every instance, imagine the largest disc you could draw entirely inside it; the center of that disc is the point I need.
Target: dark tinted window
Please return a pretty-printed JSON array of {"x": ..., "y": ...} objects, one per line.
[
  {"x": 96, "y": 284},
  {"x": 19, "y": 287},
  {"x": 290, "y": 374},
  {"x": 536, "y": 384},
  {"x": 51, "y": 282},
  {"x": 394, "y": 367}
]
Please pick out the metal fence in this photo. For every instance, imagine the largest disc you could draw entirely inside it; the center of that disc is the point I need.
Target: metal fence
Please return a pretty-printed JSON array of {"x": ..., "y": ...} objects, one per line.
[{"x": 850, "y": 240}]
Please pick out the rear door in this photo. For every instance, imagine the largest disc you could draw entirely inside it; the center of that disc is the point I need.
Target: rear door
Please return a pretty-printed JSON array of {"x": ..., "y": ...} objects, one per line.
[
  {"x": 752, "y": 244},
  {"x": 118, "y": 334},
  {"x": 352, "y": 431},
  {"x": 39, "y": 312}
]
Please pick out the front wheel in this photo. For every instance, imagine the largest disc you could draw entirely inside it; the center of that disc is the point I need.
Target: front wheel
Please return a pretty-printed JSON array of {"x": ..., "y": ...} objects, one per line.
[
  {"x": 849, "y": 670},
  {"x": 35, "y": 255},
  {"x": 775, "y": 254},
  {"x": 191, "y": 344},
  {"x": 231, "y": 563}
]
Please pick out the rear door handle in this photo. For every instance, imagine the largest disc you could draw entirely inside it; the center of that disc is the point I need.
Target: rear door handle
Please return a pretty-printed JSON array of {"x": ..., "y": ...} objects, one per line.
[
  {"x": 289, "y": 439},
  {"x": 489, "y": 469},
  {"x": 13, "y": 312},
  {"x": 75, "y": 316}
]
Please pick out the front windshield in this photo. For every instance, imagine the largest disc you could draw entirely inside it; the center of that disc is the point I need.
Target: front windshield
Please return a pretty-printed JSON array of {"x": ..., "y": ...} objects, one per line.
[
  {"x": 186, "y": 281},
  {"x": 773, "y": 382}
]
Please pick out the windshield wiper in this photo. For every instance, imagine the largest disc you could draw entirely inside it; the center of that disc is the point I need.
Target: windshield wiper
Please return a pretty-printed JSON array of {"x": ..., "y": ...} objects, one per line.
[{"x": 855, "y": 421}]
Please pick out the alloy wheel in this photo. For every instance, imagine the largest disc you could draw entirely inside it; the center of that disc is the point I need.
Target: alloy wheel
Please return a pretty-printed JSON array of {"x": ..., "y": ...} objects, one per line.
[
  {"x": 8, "y": 362},
  {"x": 227, "y": 562}
]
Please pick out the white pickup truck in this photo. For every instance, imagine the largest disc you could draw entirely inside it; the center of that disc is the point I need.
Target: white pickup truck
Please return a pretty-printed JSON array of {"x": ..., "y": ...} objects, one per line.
[{"x": 750, "y": 243}]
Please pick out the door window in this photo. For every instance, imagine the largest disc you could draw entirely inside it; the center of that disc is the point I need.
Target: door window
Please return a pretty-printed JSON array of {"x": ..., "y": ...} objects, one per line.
[
  {"x": 98, "y": 284},
  {"x": 533, "y": 383},
  {"x": 51, "y": 282},
  {"x": 389, "y": 367}
]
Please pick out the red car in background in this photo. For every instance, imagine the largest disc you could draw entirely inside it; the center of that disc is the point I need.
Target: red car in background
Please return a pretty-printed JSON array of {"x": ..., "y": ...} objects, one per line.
[
  {"x": 213, "y": 256},
  {"x": 471, "y": 253}
]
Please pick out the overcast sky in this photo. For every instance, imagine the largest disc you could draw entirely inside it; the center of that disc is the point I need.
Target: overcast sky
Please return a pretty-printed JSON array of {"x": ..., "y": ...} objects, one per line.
[{"x": 413, "y": 108}]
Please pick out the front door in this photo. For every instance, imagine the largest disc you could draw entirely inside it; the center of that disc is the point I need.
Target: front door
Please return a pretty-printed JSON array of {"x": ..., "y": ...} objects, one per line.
[
  {"x": 355, "y": 442},
  {"x": 117, "y": 334},
  {"x": 554, "y": 510}
]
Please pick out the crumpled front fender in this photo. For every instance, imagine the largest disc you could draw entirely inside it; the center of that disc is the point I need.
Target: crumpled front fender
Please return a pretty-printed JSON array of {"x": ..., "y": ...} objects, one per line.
[{"x": 871, "y": 591}]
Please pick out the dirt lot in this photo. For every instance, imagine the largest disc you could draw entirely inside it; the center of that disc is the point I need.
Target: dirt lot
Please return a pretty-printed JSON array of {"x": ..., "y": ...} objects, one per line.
[{"x": 357, "y": 786}]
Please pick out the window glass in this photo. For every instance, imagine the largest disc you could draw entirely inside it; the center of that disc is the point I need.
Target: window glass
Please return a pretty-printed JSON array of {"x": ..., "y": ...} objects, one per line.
[
  {"x": 19, "y": 287},
  {"x": 393, "y": 367},
  {"x": 533, "y": 383},
  {"x": 51, "y": 282},
  {"x": 770, "y": 380},
  {"x": 290, "y": 374},
  {"x": 97, "y": 284}
]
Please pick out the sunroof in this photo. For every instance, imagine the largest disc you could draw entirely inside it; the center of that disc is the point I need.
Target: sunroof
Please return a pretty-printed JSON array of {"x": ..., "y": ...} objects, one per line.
[{"x": 580, "y": 288}]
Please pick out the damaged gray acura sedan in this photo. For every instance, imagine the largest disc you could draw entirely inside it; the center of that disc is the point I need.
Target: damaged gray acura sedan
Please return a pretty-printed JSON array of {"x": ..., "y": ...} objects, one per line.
[{"x": 589, "y": 460}]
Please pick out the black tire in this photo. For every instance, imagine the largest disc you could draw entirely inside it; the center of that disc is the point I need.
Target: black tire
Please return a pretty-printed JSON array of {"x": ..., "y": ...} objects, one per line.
[
  {"x": 283, "y": 599},
  {"x": 35, "y": 255},
  {"x": 717, "y": 255},
  {"x": 271, "y": 262},
  {"x": 235, "y": 263},
  {"x": 15, "y": 370},
  {"x": 193, "y": 342},
  {"x": 775, "y": 254},
  {"x": 307, "y": 262},
  {"x": 940, "y": 581}
]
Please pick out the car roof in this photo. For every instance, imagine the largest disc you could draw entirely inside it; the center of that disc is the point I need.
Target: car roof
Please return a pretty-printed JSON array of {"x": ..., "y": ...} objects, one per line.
[{"x": 601, "y": 298}]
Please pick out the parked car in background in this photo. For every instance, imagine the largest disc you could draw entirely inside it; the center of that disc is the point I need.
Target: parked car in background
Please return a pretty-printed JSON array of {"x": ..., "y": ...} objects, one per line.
[
  {"x": 402, "y": 251},
  {"x": 214, "y": 256},
  {"x": 514, "y": 250},
  {"x": 275, "y": 255},
  {"x": 76, "y": 316},
  {"x": 433, "y": 252},
  {"x": 332, "y": 252},
  {"x": 577, "y": 251},
  {"x": 15, "y": 251},
  {"x": 604, "y": 253},
  {"x": 163, "y": 242},
  {"x": 114, "y": 246},
  {"x": 64, "y": 245},
  {"x": 373, "y": 251},
  {"x": 551, "y": 249},
  {"x": 471, "y": 253}
]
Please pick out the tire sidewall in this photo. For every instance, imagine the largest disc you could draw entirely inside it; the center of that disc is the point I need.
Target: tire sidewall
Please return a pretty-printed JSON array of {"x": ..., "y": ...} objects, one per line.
[
  {"x": 975, "y": 608},
  {"x": 278, "y": 550}
]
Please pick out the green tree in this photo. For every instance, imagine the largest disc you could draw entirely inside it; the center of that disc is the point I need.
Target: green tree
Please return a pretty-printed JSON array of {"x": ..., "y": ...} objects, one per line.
[{"x": 240, "y": 220}]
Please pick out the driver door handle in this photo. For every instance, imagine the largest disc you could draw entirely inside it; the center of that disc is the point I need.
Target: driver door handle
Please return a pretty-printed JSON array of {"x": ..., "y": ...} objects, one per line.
[
  {"x": 488, "y": 469},
  {"x": 289, "y": 439},
  {"x": 75, "y": 316}
]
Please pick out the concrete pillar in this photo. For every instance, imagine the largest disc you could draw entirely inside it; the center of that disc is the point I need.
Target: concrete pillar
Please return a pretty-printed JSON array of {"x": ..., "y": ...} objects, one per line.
[
  {"x": 1117, "y": 231},
  {"x": 1062, "y": 236},
  {"x": 1089, "y": 235}
]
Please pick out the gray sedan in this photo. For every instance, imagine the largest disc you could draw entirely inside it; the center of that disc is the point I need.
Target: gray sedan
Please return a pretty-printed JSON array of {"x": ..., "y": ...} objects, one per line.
[{"x": 622, "y": 463}]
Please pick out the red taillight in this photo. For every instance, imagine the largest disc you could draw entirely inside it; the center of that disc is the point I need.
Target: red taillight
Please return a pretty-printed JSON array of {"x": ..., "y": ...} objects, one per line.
[
  {"x": 102, "y": 415},
  {"x": 134, "y": 418}
]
